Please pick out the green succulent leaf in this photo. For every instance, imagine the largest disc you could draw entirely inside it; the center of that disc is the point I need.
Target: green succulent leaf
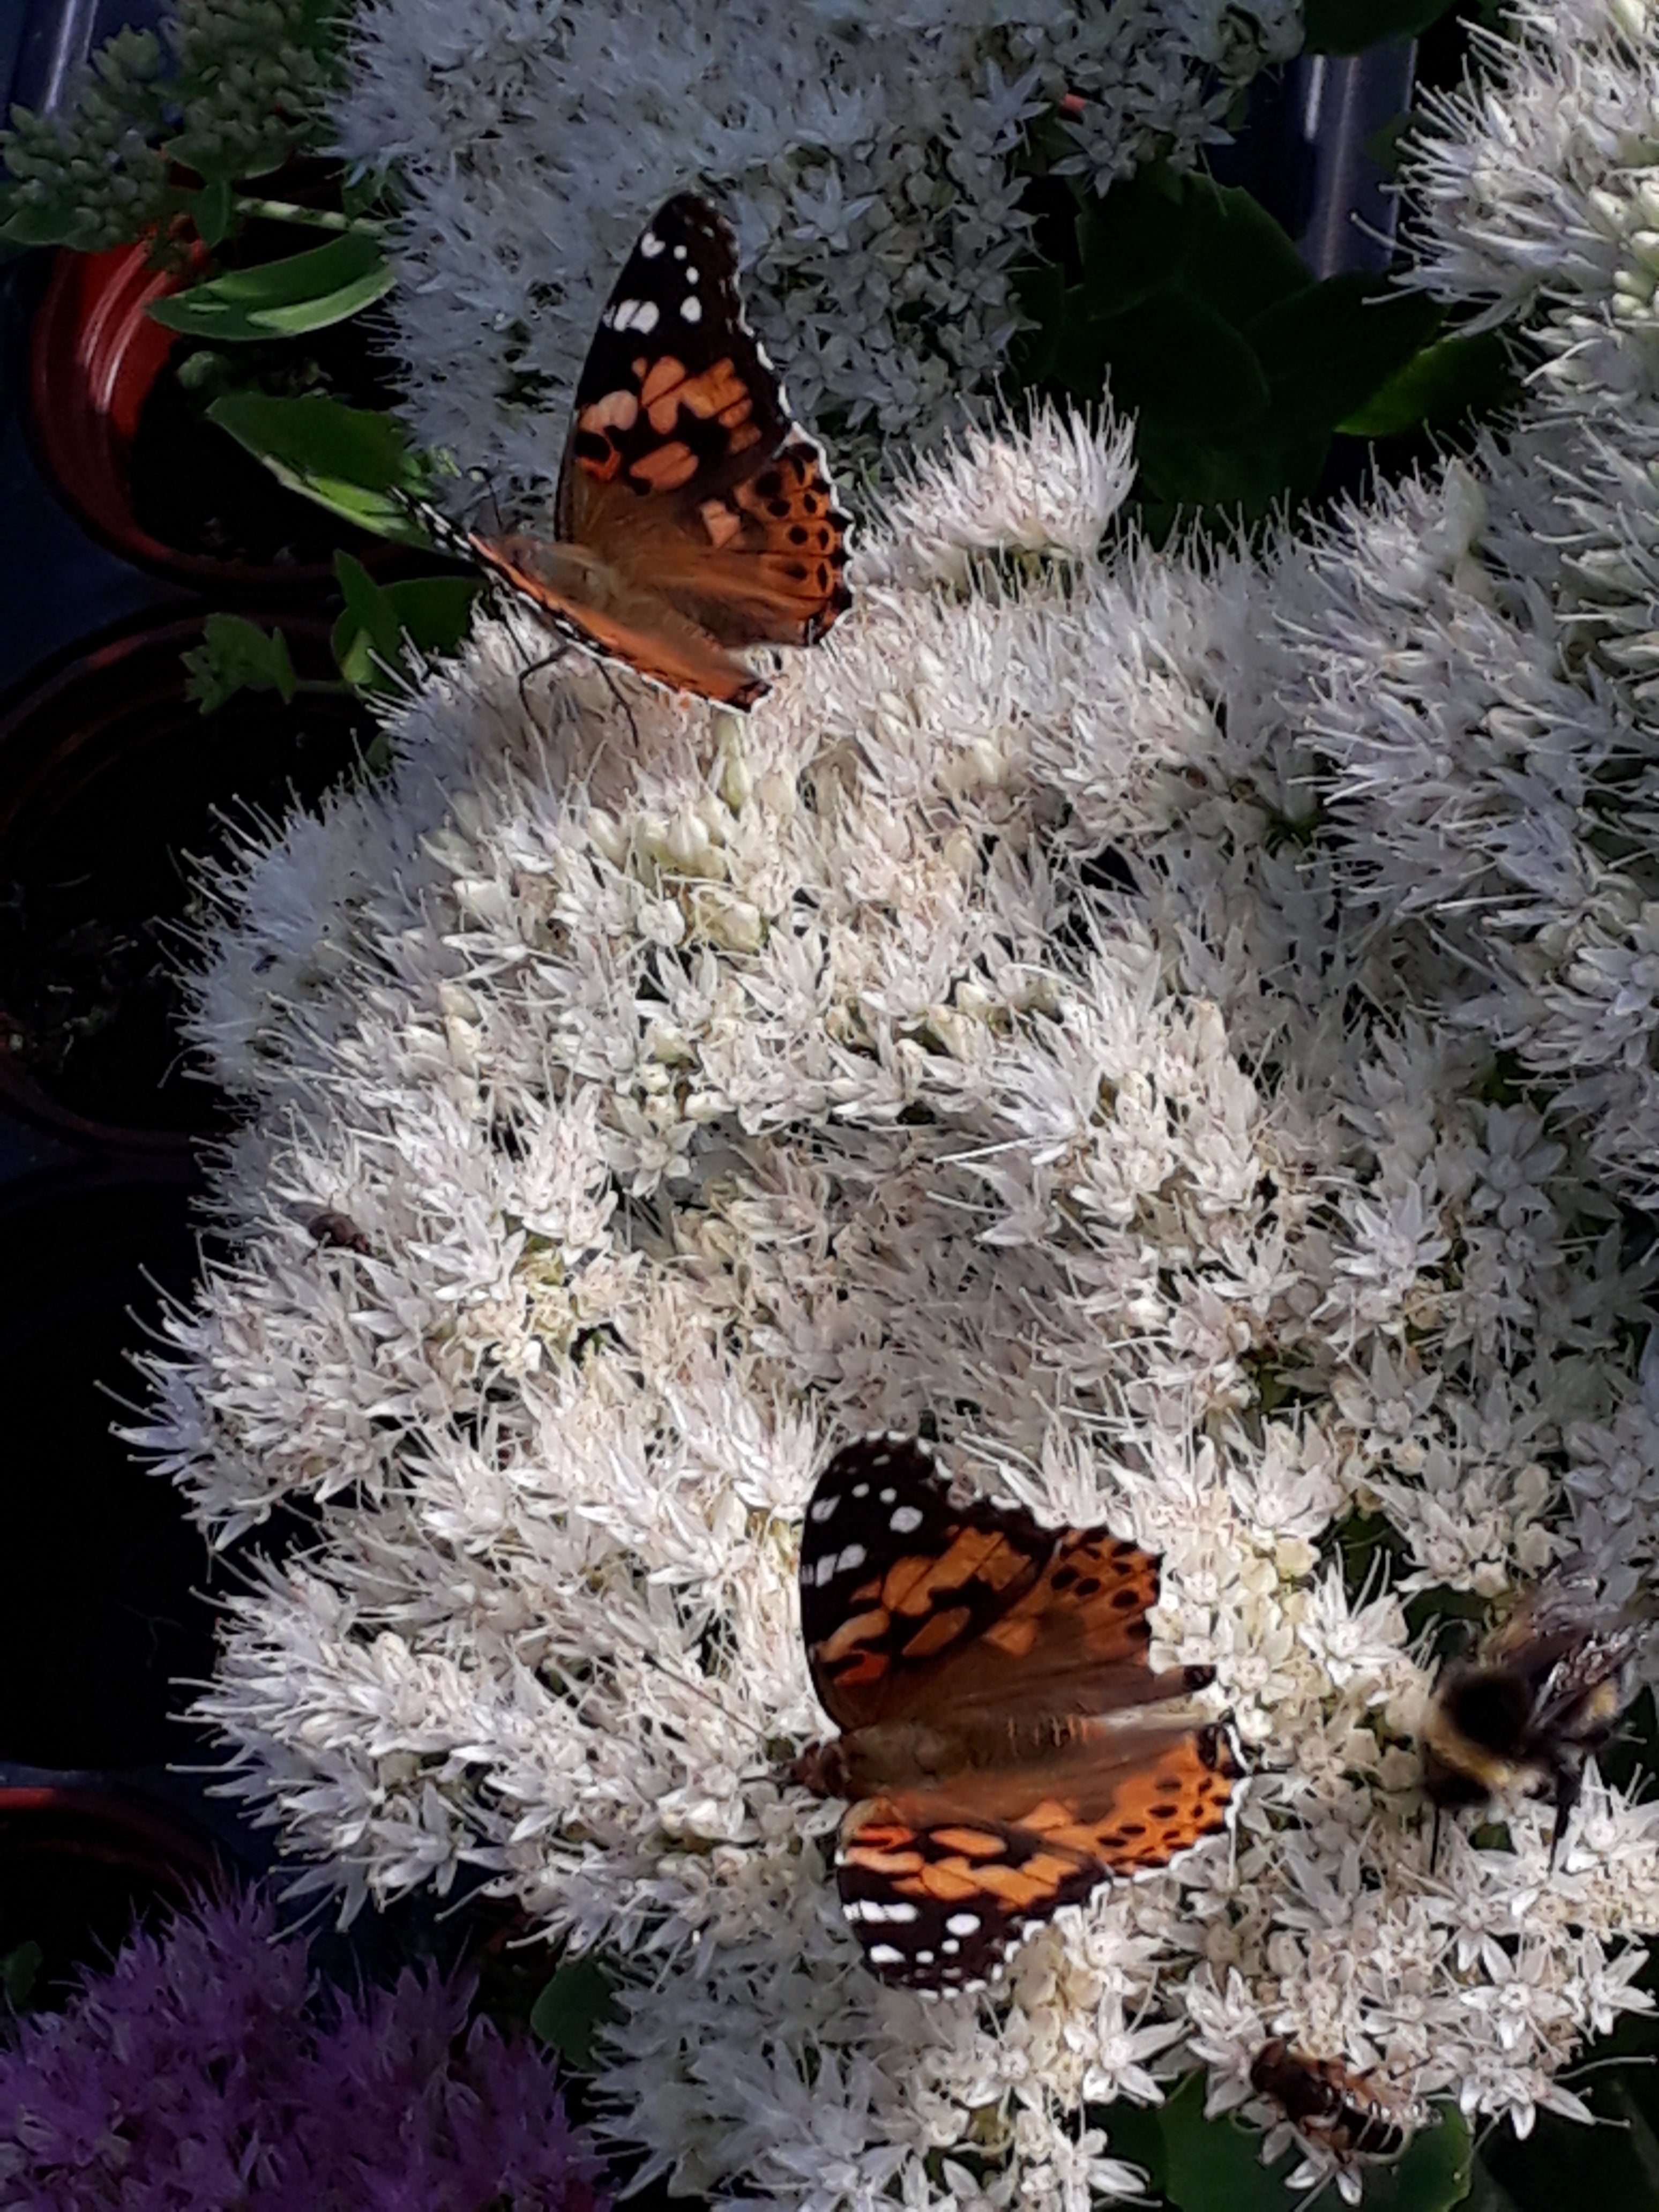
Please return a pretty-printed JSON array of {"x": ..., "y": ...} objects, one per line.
[
  {"x": 1326, "y": 349},
  {"x": 1195, "y": 312},
  {"x": 282, "y": 299},
  {"x": 355, "y": 461},
  {"x": 1452, "y": 378},
  {"x": 212, "y": 212},
  {"x": 381, "y": 621}
]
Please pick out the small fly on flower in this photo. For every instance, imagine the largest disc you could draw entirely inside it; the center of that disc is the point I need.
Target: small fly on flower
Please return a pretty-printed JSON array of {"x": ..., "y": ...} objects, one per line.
[{"x": 1347, "y": 2115}]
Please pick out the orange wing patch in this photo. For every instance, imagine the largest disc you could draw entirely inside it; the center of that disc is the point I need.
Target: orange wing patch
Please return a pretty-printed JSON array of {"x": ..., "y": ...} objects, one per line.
[{"x": 938, "y": 1899}]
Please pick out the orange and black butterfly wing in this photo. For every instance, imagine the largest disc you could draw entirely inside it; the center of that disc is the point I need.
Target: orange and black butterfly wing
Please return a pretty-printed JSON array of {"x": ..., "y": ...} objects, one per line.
[
  {"x": 941, "y": 1884},
  {"x": 912, "y": 1602},
  {"x": 684, "y": 471},
  {"x": 896, "y": 1576}
]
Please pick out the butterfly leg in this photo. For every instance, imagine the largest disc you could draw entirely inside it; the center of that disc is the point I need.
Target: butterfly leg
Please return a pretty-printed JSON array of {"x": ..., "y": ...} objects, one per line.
[
  {"x": 627, "y": 711},
  {"x": 534, "y": 668}
]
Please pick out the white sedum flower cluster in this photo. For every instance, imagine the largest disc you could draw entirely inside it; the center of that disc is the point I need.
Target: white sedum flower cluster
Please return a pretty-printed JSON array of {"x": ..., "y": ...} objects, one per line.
[
  {"x": 869, "y": 156},
  {"x": 1054, "y": 1016}
]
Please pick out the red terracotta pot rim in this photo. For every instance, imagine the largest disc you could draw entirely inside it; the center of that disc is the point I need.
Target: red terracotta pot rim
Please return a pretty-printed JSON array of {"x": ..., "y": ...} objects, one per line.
[
  {"x": 94, "y": 356},
  {"x": 137, "y": 1837}
]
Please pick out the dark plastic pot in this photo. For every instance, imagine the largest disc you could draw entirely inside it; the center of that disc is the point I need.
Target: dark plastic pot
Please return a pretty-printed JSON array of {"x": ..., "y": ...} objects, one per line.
[
  {"x": 79, "y": 1864},
  {"x": 1308, "y": 152},
  {"x": 109, "y": 1613},
  {"x": 109, "y": 778},
  {"x": 94, "y": 358}
]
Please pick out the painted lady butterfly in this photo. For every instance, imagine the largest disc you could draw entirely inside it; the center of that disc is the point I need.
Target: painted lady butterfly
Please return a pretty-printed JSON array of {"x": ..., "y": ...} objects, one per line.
[
  {"x": 692, "y": 516},
  {"x": 987, "y": 1676},
  {"x": 1343, "y": 2113}
]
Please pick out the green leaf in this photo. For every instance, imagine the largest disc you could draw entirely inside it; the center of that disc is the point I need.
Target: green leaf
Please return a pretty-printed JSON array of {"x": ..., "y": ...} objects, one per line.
[
  {"x": 432, "y": 613},
  {"x": 367, "y": 628},
  {"x": 359, "y": 194},
  {"x": 212, "y": 211},
  {"x": 572, "y": 2008},
  {"x": 19, "y": 1969},
  {"x": 352, "y": 460},
  {"x": 1157, "y": 232},
  {"x": 1131, "y": 241},
  {"x": 1434, "y": 2174},
  {"x": 1452, "y": 378},
  {"x": 1328, "y": 346},
  {"x": 1215, "y": 2166},
  {"x": 1242, "y": 480},
  {"x": 1173, "y": 359},
  {"x": 52, "y": 224},
  {"x": 236, "y": 655},
  {"x": 283, "y": 299},
  {"x": 229, "y": 157},
  {"x": 1348, "y": 26}
]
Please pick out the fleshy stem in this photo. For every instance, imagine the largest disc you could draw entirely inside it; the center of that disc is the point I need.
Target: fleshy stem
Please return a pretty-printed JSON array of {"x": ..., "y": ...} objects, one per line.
[{"x": 317, "y": 218}]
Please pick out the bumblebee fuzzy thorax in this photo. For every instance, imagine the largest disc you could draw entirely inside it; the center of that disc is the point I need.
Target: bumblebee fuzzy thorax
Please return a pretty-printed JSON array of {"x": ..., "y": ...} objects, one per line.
[{"x": 1542, "y": 1696}]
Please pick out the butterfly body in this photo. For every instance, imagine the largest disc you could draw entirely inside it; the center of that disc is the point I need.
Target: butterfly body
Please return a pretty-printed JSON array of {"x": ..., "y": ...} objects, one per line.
[
  {"x": 1540, "y": 1697},
  {"x": 1001, "y": 1741},
  {"x": 997, "y": 1750},
  {"x": 693, "y": 518},
  {"x": 1343, "y": 2112}
]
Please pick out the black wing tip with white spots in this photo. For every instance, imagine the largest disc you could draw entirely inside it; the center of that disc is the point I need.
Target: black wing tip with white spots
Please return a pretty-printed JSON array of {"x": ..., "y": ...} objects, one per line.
[
  {"x": 938, "y": 1947},
  {"x": 886, "y": 1468},
  {"x": 956, "y": 1950},
  {"x": 687, "y": 224},
  {"x": 677, "y": 291}
]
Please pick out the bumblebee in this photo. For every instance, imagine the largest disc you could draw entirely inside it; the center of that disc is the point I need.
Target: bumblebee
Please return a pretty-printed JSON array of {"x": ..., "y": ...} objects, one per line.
[
  {"x": 1540, "y": 1699},
  {"x": 1339, "y": 2112}
]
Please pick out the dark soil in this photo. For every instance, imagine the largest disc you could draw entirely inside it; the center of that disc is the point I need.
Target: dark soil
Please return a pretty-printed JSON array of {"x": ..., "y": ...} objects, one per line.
[
  {"x": 94, "y": 879},
  {"x": 193, "y": 488}
]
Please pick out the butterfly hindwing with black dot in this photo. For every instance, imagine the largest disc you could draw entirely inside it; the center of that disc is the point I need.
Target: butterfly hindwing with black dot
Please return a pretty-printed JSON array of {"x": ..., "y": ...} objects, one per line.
[
  {"x": 693, "y": 517},
  {"x": 989, "y": 1676}
]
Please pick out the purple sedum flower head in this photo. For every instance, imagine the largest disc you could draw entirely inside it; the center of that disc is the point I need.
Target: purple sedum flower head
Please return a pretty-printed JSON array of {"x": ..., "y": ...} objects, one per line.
[{"x": 205, "y": 2071}]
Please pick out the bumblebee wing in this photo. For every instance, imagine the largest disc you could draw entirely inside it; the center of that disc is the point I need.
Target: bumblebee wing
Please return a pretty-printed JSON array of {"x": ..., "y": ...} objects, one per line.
[{"x": 1584, "y": 1690}]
